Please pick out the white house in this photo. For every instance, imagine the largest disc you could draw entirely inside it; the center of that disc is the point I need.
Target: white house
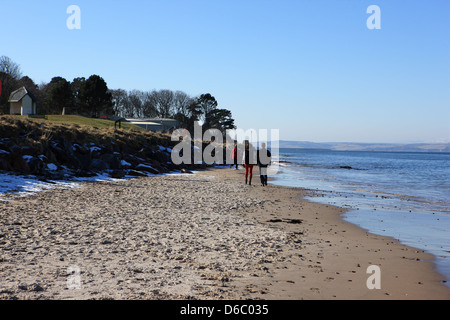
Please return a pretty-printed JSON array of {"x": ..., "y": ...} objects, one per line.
[{"x": 22, "y": 102}]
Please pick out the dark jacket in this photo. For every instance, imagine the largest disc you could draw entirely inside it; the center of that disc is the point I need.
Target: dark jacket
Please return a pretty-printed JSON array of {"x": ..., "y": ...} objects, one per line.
[
  {"x": 250, "y": 156},
  {"x": 264, "y": 157}
]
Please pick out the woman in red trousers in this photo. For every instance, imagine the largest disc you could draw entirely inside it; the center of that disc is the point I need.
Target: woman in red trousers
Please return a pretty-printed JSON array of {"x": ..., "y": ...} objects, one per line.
[{"x": 249, "y": 160}]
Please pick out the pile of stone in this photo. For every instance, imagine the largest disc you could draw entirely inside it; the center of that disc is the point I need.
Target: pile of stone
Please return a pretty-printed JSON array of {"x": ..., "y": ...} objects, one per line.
[{"x": 62, "y": 158}]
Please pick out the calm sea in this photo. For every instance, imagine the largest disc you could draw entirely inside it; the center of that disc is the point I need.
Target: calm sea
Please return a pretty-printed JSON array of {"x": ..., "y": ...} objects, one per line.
[{"x": 398, "y": 194}]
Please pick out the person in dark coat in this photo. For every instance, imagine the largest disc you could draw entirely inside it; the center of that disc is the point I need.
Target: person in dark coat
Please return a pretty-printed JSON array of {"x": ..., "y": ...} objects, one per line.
[{"x": 264, "y": 158}]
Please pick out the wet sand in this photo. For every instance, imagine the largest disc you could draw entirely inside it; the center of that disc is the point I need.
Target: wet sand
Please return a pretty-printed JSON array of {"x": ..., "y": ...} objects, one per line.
[{"x": 203, "y": 236}]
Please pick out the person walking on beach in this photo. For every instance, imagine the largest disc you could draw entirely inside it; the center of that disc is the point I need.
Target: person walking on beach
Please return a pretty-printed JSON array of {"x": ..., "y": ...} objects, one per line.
[
  {"x": 234, "y": 156},
  {"x": 264, "y": 157},
  {"x": 249, "y": 160}
]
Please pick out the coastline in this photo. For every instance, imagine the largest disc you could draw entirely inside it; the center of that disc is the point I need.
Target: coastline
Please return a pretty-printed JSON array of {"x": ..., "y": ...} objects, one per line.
[
  {"x": 385, "y": 193},
  {"x": 201, "y": 236},
  {"x": 340, "y": 252}
]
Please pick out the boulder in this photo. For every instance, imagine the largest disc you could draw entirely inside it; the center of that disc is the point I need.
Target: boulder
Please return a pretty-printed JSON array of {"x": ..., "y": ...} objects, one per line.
[
  {"x": 112, "y": 161},
  {"x": 4, "y": 147},
  {"x": 146, "y": 168},
  {"x": 145, "y": 152},
  {"x": 84, "y": 161},
  {"x": 137, "y": 173},
  {"x": 155, "y": 164},
  {"x": 5, "y": 161},
  {"x": 132, "y": 160},
  {"x": 26, "y": 150},
  {"x": 125, "y": 164},
  {"x": 80, "y": 149},
  {"x": 51, "y": 157},
  {"x": 84, "y": 173},
  {"x": 59, "y": 152},
  {"x": 95, "y": 151},
  {"x": 98, "y": 165},
  {"x": 20, "y": 164},
  {"x": 161, "y": 156},
  {"x": 51, "y": 167},
  {"x": 15, "y": 149},
  {"x": 35, "y": 164},
  {"x": 68, "y": 148},
  {"x": 74, "y": 163},
  {"x": 118, "y": 174}
]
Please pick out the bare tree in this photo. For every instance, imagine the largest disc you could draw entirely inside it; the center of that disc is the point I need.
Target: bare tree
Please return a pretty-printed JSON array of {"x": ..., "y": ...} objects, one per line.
[
  {"x": 181, "y": 103},
  {"x": 165, "y": 103},
  {"x": 10, "y": 67},
  {"x": 149, "y": 105},
  {"x": 136, "y": 101},
  {"x": 121, "y": 103}
]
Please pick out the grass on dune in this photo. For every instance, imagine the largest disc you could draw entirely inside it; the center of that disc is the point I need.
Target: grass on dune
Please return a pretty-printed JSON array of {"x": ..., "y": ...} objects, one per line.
[
  {"x": 37, "y": 132},
  {"x": 78, "y": 121},
  {"x": 92, "y": 122}
]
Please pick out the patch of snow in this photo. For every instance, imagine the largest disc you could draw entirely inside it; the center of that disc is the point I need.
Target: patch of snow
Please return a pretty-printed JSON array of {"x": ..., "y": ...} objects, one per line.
[
  {"x": 28, "y": 185},
  {"x": 165, "y": 149},
  {"x": 27, "y": 157},
  {"x": 52, "y": 167},
  {"x": 144, "y": 166},
  {"x": 125, "y": 163}
]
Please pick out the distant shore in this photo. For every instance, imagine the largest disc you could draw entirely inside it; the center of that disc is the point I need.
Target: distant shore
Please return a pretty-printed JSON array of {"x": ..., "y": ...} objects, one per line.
[
  {"x": 358, "y": 146},
  {"x": 201, "y": 236}
]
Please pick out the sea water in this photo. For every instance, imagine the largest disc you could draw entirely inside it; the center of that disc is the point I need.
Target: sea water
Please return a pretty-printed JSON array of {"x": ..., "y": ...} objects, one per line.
[{"x": 404, "y": 195}]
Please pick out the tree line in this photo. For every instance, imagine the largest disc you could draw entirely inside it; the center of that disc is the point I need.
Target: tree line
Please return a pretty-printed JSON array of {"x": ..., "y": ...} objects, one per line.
[
  {"x": 173, "y": 104},
  {"x": 92, "y": 97}
]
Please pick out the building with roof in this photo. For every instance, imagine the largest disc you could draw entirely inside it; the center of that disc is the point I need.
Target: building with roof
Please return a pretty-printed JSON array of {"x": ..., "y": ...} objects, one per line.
[
  {"x": 22, "y": 102},
  {"x": 155, "y": 124}
]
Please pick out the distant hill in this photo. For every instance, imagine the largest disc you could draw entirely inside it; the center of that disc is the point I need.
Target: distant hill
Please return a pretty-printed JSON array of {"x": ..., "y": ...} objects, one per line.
[{"x": 344, "y": 146}]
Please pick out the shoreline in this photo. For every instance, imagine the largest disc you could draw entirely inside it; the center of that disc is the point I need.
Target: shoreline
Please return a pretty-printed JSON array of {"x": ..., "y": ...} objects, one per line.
[
  {"x": 399, "y": 223},
  {"x": 203, "y": 236},
  {"x": 364, "y": 249}
]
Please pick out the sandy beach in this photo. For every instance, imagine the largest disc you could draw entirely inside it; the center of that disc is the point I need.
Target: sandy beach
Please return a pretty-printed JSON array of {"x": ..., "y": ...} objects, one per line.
[{"x": 197, "y": 236}]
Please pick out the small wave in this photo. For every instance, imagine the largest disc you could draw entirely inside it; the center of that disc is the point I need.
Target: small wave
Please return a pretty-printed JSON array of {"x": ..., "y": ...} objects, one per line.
[
  {"x": 350, "y": 168},
  {"x": 399, "y": 195}
]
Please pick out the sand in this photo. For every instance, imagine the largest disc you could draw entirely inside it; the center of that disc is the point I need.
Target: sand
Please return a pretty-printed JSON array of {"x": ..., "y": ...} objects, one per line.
[{"x": 205, "y": 236}]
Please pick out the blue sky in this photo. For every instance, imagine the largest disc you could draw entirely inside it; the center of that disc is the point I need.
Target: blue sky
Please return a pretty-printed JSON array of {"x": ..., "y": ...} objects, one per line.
[{"x": 311, "y": 69}]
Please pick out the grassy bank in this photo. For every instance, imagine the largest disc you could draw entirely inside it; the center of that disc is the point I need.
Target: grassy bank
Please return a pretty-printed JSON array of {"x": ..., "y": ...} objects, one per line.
[
  {"x": 29, "y": 145},
  {"x": 84, "y": 145},
  {"x": 36, "y": 132},
  {"x": 80, "y": 121}
]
